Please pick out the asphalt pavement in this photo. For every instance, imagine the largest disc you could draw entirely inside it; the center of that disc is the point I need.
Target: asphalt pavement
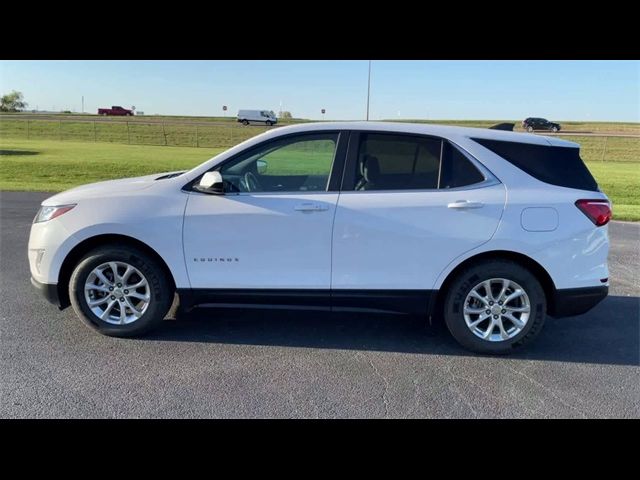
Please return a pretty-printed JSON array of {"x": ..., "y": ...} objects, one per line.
[{"x": 298, "y": 364}]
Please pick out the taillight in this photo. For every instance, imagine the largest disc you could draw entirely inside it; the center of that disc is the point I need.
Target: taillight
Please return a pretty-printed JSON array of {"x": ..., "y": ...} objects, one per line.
[{"x": 598, "y": 211}]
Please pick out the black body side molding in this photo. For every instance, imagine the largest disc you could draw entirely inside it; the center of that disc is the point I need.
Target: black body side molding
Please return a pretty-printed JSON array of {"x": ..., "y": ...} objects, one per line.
[
  {"x": 568, "y": 302},
  {"x": 413, "y": 302}
]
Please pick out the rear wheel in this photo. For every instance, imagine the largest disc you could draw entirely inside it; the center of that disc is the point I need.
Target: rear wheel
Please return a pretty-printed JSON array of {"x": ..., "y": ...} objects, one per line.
[
  {"x": 495, "y": 306},
  {"x": 120, "y": 291}
]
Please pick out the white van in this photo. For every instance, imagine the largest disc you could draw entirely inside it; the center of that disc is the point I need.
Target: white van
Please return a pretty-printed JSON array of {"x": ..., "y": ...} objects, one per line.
[{"x": 264, "y": 116}]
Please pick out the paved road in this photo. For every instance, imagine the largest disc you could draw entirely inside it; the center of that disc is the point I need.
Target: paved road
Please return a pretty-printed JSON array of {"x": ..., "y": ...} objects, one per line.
[{"x": 233, "y": 363}]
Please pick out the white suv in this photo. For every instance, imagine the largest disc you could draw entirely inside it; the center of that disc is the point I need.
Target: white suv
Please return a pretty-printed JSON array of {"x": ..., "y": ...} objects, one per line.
[{"x": 491, "y": 230}]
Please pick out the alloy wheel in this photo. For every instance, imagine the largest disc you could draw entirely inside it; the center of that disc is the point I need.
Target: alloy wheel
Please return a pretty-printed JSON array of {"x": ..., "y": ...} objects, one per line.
[
  {"x": 117, "y": 293},
  {"x": 497, "y": 309}
]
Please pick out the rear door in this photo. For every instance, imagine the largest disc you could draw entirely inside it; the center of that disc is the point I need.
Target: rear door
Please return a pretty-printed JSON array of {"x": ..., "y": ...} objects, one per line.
[{"x": 409, "y": 206}]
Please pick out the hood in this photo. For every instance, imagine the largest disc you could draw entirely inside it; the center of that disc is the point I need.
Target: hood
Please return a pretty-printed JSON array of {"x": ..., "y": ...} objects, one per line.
[{"x": 105, "y": 189}]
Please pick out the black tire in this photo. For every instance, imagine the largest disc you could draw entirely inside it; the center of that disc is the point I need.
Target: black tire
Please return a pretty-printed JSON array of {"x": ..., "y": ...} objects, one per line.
[
  {"x": 269, "y": 123},
  {"x": 466, "y": 280},
  {"x": 529, "y": 129},
  {"x": 160, "y": 289},
  {"x": 554, "y": 129},
  {"x": 245, "y": 122}
]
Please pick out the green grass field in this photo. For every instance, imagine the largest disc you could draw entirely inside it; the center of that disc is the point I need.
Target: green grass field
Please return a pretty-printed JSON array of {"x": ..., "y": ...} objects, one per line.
[
  {"x": 53, "y": 165},
  {"x": 130, "y": 132},
  {"x": 49, "y": 165},
  {"x": 204, "y": 131}
]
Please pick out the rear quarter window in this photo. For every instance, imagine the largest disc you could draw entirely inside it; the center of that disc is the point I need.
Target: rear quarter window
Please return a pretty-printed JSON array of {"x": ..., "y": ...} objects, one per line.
[{"x": 561, "y": 166}]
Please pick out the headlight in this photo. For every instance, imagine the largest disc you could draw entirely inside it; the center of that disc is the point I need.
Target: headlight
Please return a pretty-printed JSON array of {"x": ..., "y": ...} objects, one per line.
[{"x": 49, "y": 213}]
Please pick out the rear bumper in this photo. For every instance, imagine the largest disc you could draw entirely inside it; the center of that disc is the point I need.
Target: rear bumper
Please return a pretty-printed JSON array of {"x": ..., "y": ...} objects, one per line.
[
  {"x": 48, "y": 291},
  {"x": 576, "y": 301}
]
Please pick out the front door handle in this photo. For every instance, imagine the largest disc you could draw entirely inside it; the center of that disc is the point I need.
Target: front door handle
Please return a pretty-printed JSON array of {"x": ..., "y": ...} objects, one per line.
[
  {"x": 310, "y": 207},
  {"x": 462, "y": 204}
]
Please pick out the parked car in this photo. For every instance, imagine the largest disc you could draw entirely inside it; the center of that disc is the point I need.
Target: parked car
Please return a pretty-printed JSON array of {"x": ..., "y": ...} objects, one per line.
[
  {"x": 533, "y": 123},
  {"x": 490, "y": 230},
  {"x": 115, "y": 110},
  {"x": 257, "y": 116}
]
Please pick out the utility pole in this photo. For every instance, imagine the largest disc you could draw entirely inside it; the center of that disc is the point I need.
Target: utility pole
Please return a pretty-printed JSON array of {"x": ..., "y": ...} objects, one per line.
[
  {"x": 82, "y": 103},
  {"x": 369, "y": 90}
]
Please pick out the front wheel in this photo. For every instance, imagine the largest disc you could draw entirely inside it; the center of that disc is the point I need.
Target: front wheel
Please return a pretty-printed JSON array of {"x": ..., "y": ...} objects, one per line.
[
  {"x": 245, "y": 122},
  {"x": 495, "y": 306},
  {"x": 529, "y": 129},
  {"x": 120, "y": 291},
  {"x": 554, "y": 129},
  {"x": 269, "y": 123}
]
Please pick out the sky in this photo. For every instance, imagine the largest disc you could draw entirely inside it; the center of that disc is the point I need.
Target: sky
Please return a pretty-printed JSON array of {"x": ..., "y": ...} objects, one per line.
[{"x": 493, "y": 90}]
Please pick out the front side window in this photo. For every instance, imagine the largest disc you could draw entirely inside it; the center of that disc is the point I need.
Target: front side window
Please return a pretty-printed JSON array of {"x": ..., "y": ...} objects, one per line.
[
  {"x": 298, "y": 164},
  {"x": 405, "y": 162}
]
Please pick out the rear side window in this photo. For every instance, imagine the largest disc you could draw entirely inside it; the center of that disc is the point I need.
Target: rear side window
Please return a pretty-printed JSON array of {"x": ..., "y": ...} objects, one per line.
[
  {"x": 457, "y": 170},
  {"x": 561, "y": 166},
  {"x": 404, "y": 162}
]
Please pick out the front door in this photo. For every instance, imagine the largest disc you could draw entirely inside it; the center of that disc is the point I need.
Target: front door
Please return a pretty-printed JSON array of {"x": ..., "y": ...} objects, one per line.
[{"x": 272, "y": 227}]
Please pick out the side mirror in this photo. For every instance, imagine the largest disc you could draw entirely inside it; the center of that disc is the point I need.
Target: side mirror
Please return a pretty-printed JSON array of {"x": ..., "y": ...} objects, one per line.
[
  {"x": 261, "y": 166},
  {"x": 211, "y": 182}
]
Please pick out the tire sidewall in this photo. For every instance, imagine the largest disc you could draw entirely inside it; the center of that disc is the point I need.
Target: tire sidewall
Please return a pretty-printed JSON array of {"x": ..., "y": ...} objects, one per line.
[
  {"x": 160, "y": 294},
  {"x": 471, "y": 277}
]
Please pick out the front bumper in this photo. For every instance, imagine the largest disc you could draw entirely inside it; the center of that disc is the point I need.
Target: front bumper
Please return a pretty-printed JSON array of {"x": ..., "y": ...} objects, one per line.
[
  {"x": 48, "y": 291},
  {"x": 568, "y": 302}
]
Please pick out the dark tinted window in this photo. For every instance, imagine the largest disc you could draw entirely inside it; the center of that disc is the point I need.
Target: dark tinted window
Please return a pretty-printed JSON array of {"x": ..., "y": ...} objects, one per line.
[
  {"x": 457, "y": 170},
  {"x": 560, "y": 166},
  {"x": 403, "y": 162}
]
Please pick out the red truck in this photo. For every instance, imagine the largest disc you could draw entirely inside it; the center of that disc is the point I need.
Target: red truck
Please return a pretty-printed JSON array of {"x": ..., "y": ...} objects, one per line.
[{"x": 115, "y": 110}]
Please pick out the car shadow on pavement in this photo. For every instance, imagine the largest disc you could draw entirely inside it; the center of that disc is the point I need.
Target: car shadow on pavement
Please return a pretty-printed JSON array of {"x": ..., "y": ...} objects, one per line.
[{"x": 609, "y": 334}]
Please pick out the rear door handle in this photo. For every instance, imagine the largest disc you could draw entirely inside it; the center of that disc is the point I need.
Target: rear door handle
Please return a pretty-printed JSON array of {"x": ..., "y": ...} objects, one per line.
[
  {"x": 462, "y": 204},
  {"x": 310, "y": 207}
]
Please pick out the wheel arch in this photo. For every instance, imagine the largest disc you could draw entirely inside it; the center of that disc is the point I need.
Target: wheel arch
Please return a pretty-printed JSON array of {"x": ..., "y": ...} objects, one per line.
[
  {"x": 77, "y": 252},
  {"x": 548, "y": 286}
]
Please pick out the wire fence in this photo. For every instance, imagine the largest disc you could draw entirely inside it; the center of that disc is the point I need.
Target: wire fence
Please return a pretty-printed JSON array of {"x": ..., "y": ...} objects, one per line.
[
  {"x": 601, "y": 148},
  {"x": 133, "y": 132}
]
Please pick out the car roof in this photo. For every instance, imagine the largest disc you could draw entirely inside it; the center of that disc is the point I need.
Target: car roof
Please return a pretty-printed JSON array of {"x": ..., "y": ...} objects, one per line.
[{"x": 446, "y": 131}]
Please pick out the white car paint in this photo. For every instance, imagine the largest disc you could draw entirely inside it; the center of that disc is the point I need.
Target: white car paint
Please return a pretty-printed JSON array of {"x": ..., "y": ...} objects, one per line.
[
  {"x": 369, "y": 252},
  {"x": 272, "y": 240},
  {"x": 378, "y": 240}
]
